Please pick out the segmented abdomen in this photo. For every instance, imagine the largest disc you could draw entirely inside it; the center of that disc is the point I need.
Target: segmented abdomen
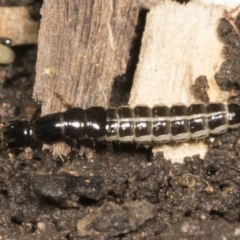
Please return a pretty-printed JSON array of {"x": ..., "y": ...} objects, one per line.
[
  {"x": 178, "y": 123},
  {"x": 139, "y": 124}
]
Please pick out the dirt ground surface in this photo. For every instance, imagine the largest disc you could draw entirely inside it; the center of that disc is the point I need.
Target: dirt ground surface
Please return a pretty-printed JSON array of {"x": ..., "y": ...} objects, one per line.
[{"x": 118, "y": 193}]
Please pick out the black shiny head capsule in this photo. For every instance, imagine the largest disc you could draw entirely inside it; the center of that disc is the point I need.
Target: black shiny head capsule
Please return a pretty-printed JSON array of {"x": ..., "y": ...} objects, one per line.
[{"x": 17, "y": 134}]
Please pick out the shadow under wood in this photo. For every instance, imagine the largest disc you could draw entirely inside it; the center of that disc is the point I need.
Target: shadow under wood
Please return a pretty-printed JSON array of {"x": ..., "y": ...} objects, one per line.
[{"x": 122, "y": 84}]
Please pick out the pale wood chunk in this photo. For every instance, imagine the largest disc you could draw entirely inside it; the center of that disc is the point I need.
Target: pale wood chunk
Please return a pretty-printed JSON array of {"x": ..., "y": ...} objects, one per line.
[{"x": 179, "y": 44}]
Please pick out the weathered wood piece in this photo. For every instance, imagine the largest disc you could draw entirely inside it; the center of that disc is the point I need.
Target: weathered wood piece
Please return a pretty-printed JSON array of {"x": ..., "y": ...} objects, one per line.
[
  {"x": 83, "y": 46},
  {"x": 15, "y": 23}
]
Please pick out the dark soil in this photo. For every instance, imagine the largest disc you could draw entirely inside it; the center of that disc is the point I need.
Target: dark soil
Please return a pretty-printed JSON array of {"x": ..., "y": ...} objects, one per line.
[{"x": 123, "y": 192}]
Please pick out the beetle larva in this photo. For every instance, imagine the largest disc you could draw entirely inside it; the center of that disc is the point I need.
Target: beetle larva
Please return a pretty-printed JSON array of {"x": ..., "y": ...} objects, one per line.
[{"x": 140, "y": 124}]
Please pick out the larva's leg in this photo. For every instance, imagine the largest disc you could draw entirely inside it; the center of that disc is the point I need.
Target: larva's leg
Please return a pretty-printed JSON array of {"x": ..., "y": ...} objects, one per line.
[{"x": 63, "y": 101}]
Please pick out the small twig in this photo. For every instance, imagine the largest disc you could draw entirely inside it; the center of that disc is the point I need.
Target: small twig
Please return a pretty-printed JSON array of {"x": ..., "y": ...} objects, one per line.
[{"x": 229, "y": 18}]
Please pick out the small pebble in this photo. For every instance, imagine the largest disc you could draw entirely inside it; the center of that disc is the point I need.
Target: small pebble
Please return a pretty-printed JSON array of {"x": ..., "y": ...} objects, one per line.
[{"x": 7, "y": 55}]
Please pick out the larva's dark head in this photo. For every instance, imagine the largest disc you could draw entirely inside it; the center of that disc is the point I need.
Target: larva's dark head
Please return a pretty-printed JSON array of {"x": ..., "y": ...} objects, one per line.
[{"x": 16, "y": 134}]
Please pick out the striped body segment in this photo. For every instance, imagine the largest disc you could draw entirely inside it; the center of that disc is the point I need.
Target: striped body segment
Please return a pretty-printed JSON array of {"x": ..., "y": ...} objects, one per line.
[{"x": 140, "y": 124}]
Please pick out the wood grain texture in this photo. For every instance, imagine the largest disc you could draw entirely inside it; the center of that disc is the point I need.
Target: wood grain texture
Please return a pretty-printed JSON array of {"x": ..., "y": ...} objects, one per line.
[
  {"x": 179, "y": 44},
  {"x": 15, "y": 23},
  {"x": 83, "y": 46}
]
